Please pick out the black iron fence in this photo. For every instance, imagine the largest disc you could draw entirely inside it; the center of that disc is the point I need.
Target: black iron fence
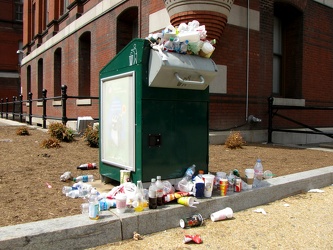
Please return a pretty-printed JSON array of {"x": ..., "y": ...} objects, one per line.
[
  {"x": 14, "y": 109},
  {"x": 273, "y": 111}
]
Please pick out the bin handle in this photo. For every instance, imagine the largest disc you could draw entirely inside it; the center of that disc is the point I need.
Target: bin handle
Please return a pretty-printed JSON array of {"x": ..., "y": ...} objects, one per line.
[{"x": 190, "y": 82}]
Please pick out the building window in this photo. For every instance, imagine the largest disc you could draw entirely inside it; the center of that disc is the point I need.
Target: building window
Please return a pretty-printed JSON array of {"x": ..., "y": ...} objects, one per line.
[
  {"x": 40, "y": 78},
  {"x": 84, "y": 64},
  {"x": 19, "y": 10},
  {"x": 46, "y": 14},
  {"x": 64, "y": 5},
  {"x": 28, "y": 80},
  {"x": 277, "y": 56},
  {"x": 287, "y": 51},
  {"x": 57, "y": 72},
  {"x": 127, "y": 27}
]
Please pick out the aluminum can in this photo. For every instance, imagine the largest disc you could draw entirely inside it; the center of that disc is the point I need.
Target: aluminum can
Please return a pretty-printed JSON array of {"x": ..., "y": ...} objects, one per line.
[
  {"x": 238, "y": 184},
  {"x": 224, "y": 187},
  {"x": 193, "y": 221}
]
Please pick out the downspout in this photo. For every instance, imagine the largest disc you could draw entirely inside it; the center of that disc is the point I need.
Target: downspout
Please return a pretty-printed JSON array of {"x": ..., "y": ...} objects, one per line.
[{"x": 247, "y": 61}]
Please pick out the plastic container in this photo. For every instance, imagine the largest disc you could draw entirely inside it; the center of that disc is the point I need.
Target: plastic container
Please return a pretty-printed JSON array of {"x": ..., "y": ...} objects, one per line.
[
  {"x": 159, "y": 191},
  {"x": 231, "y": 181},
  {"x": 106, "y": 204},
  {"x": 258, "y": 170},
  {"x": 84, "y": 178},
  {"x": 139, "y": 201},
  {"x": 67, "y": 189},
  {"x": 152, "y": 194},
  {"x": 87, "y": 166},
  {"x": 93, "y": 205},
  {"x": 190, "y": 36},
  {"x": 74, "y": 194}
]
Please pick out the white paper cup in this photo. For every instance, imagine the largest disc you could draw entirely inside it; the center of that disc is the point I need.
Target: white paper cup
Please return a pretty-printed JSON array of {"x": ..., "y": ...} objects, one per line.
[
  {"x": 223, "y": 214},
  {"x": 209, "y": 183},
  {"x": 249, "y": 175},
  {"x": 121, "y": 203}
]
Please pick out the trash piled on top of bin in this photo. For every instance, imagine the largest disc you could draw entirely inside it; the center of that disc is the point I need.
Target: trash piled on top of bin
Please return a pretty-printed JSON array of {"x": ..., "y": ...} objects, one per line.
[
  {"x": 184, "y": 39},
  {"x": 192, "y": 187}
]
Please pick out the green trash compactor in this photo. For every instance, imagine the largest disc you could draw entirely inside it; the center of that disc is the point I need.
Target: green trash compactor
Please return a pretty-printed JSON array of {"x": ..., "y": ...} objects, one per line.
[{"x": 154, "y": 113}]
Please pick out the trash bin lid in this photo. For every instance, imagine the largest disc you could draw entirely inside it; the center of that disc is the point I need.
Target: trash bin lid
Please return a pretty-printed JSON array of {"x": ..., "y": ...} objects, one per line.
[{"x": 180, "y": 71}]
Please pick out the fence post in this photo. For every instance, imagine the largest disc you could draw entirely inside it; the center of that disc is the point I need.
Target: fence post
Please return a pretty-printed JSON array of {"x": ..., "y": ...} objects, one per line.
[
  {"x": 6, "y": 107},
  {"x": 44, "y": 91},
  {"x": 13, "y": 111},
  {"x": 270, "y": 119},
  {"x": 30, "y": 107},
  {"x": 64, "y": 100},
  {"x": 1, "y": 107},
  {"x": 21, "y": 106}
]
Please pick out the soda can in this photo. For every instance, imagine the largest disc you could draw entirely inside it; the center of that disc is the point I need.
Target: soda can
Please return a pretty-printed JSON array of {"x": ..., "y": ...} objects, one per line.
[
  {"x": 223, "y": 187},
  {"x": 238, "y": 184},
  {"x": 195, "y": 220}
]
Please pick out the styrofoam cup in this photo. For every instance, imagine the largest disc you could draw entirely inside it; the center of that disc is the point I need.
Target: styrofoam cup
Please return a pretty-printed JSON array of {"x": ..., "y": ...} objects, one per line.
[{"x": 223, "y": 214}]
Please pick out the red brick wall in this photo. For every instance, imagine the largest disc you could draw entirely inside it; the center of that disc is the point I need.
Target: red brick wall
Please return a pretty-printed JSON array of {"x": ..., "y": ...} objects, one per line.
[{"x": 226, "y": 110}]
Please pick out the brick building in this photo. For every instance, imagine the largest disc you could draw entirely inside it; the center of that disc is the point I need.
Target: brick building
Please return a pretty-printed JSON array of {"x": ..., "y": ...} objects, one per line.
[
  {"x": 11, "y": 31},
  {"x": 279, "y": 48}
]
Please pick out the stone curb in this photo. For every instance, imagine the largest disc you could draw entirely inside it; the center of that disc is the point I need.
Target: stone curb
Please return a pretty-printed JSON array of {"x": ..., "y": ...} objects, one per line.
[{"x": 79, "y": 232}]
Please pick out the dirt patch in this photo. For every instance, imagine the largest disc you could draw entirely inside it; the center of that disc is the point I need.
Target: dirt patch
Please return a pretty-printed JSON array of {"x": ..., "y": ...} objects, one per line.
[{"x": 27, "y": 169}]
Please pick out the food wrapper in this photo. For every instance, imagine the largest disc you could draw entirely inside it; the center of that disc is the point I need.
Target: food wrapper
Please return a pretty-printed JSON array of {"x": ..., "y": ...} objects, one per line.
[
  {"x": 192, "y": 238},
  {"x": 176, "y": 195}
]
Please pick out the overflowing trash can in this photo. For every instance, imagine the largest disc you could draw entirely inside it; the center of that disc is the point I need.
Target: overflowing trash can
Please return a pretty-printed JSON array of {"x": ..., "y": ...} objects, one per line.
[{"x": 154, "y": 108}]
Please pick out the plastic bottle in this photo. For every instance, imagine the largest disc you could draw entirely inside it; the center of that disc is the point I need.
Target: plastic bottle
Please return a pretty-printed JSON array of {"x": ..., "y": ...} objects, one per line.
[
  {"x": 258, "y": 173},
  {"x": 74, "y": 194},
  {"x": 176, "y": 44},
  {"x": 169, "y": 46},
  {"x": 183, "y": 47},
  {"x": 152, "y": 194},
  {"x": 231, "y": 181},
  {"x": 84, "y": 178},
  {"x": 186, "y": 184},
  {"x": 106, "y": 204},
  {"x": 189, "y": 172},
  {"x": 93, "y": 205},
  {"x": 159, "y": 191},
  {"x": 87, "y": 166},
  {"x": 138, "y": 202},
  {"x": 67, "y": 189}
]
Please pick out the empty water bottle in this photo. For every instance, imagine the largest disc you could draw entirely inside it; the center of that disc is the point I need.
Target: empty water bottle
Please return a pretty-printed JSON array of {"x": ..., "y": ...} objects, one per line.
[
  {"x": 258, "y": 173},
  {"x": 84, "y": 178}
]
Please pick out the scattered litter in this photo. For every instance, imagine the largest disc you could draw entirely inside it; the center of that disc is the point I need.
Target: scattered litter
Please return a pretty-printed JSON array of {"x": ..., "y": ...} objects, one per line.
[
  {"x": 286, "y": 205},
  {"x": 66, "y": 176},
  {"x": 6, "y": 140},
  {"x": 44, "y": 155},
  {"x": 192, "y": 238},
  {"x": 316, "y": 191},
  {"x": 137, "y": 236},
  {"x": 48, "y": 185},
  {"x": 260, "y": 210}
]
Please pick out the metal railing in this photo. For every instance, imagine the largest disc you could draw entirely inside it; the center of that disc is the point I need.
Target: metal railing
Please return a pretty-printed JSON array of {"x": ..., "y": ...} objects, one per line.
[
  {"x": 17, "y": 113},
  {"x": 273, "y": 111}
]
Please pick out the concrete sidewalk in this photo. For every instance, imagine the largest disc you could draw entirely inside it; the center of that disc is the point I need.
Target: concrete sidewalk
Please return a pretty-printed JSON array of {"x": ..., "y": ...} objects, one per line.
[{"x": 79, "y": 232}]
